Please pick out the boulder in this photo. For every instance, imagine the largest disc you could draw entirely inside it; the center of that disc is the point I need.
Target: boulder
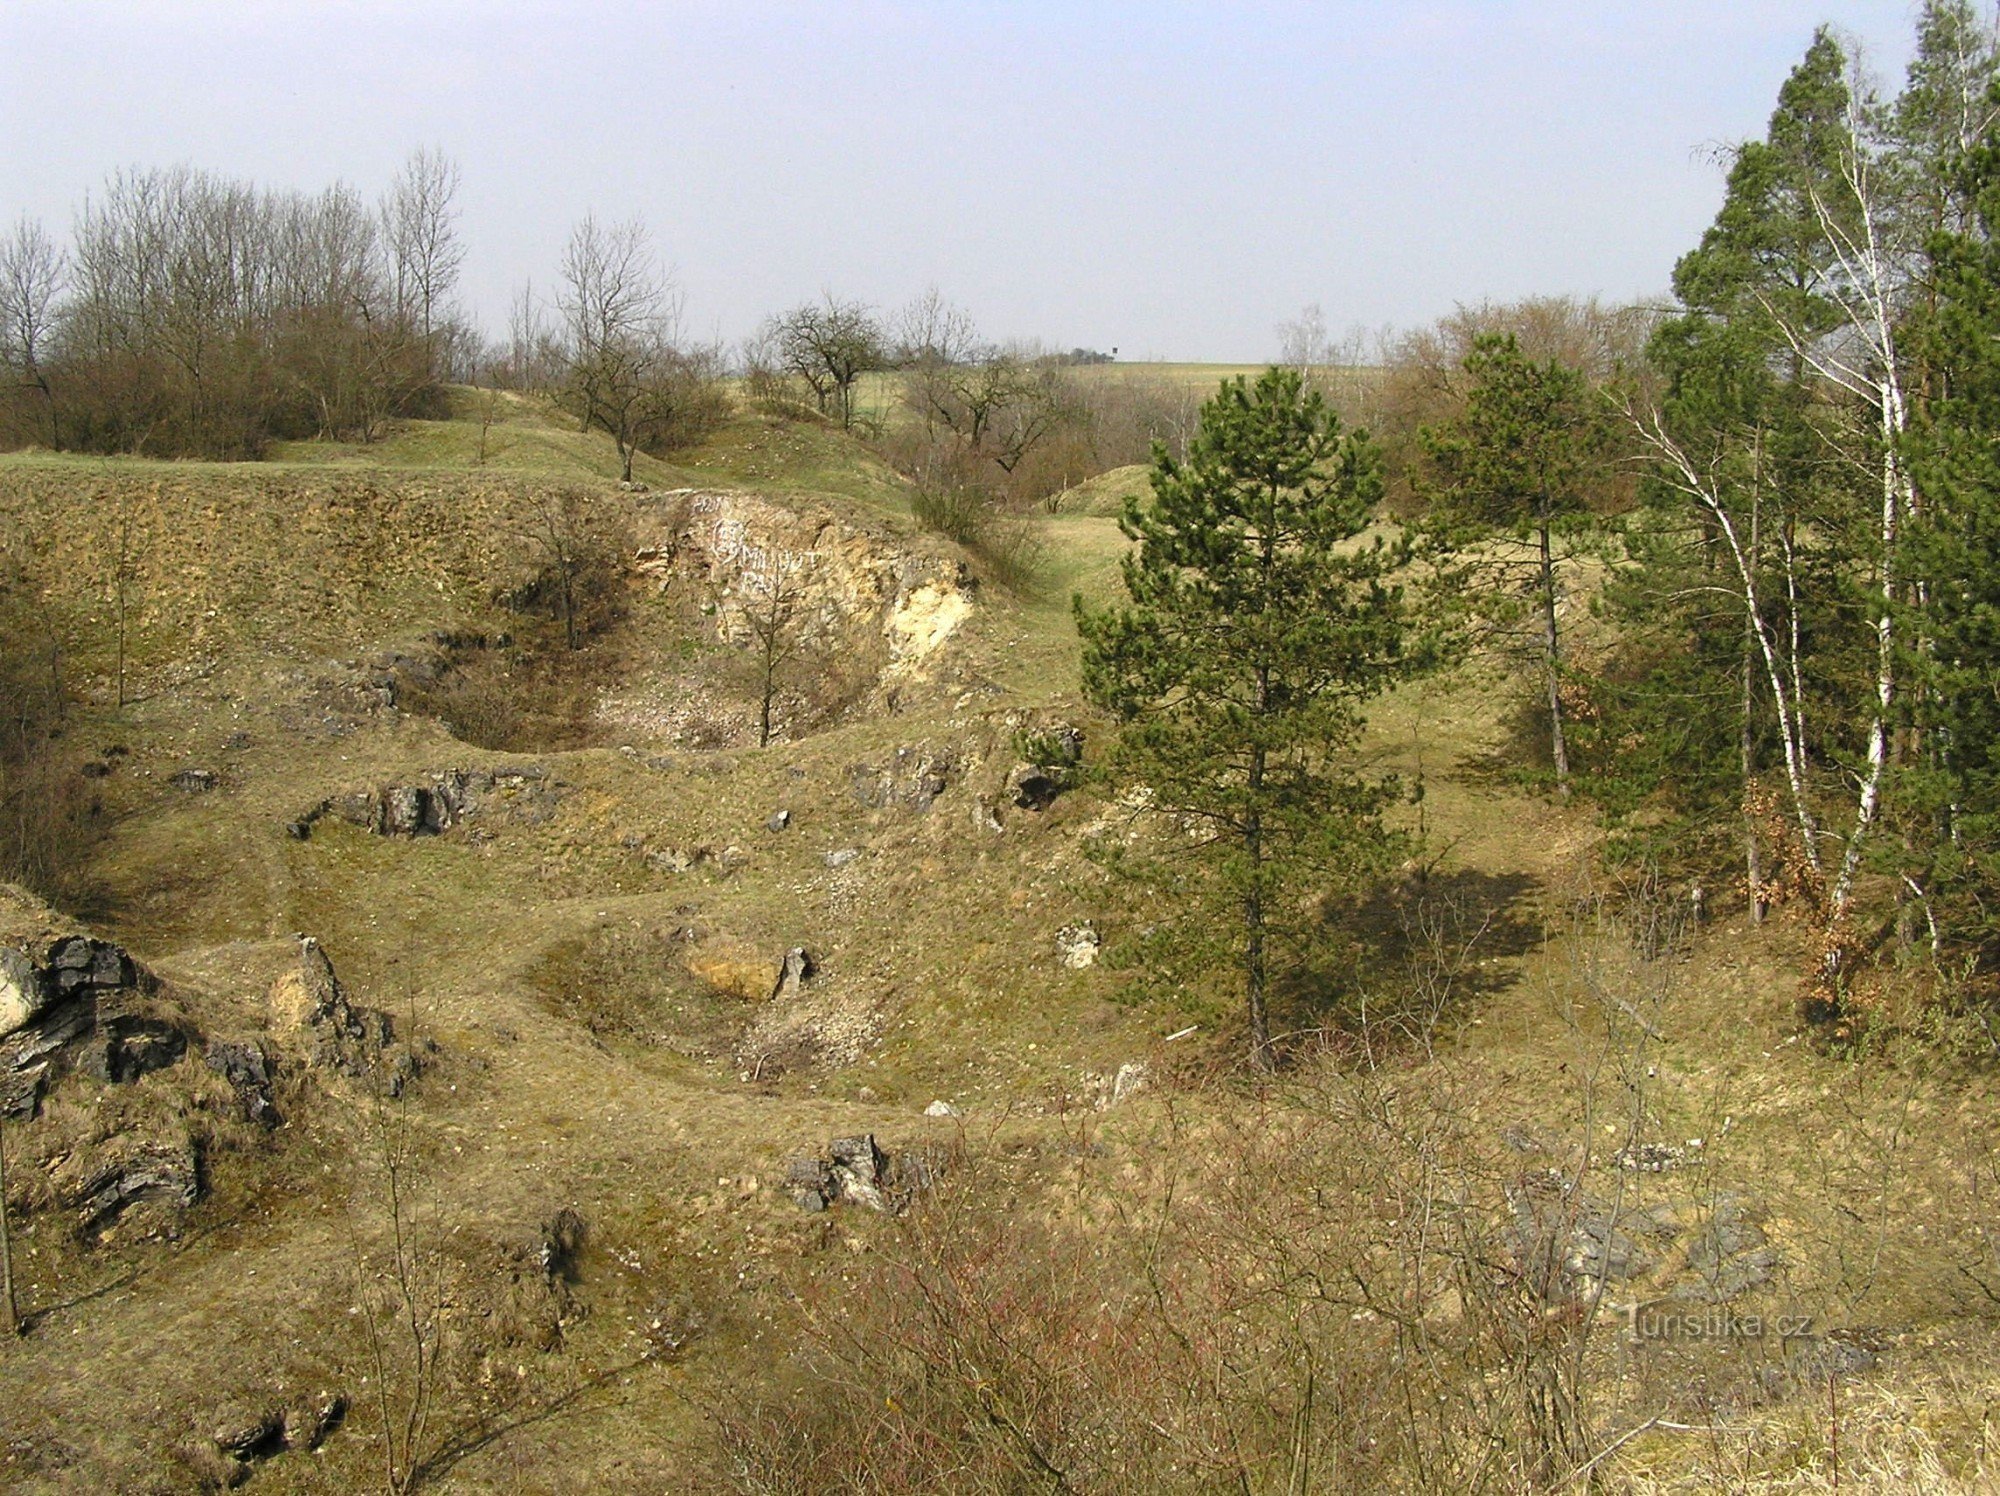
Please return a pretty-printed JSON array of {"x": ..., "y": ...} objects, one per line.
[
  {"x": 735, "y": 968},
  {"x": 128, "y": 1171},
  {"x": 23, "y": 993},
  {"x": 1077, "y": 945}
]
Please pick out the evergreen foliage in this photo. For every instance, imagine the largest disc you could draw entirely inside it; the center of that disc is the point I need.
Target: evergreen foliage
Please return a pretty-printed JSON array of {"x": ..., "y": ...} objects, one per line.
[
  {"x": 1520, "y": 462},
  {"x": 1260, "y": 619}
]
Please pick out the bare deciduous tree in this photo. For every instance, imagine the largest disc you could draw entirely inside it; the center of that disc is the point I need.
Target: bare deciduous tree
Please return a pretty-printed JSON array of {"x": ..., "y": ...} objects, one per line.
[
  {"x": 626, "y": 371},
  {"x": 829, "y": 344},
  {"x": 32, "y": 271},
  {"x": 420, "y": 233},
  {"x": 774, "y": 590}
]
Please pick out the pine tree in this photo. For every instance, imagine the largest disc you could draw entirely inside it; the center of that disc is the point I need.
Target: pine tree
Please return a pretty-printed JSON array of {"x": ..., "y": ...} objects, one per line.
[
  {"x": 1520, "y": 462},
  {"x": 1258, "y": 622},
  {"x": 1953, "y": 790}
]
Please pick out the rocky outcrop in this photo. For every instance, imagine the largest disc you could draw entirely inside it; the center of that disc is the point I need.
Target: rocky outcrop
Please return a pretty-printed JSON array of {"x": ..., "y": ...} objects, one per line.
[
  {"x": 886, "y": 603},
  {"x": 912, "y": 778},
  {"x": 101, "y": 1185},
  {"x": 249, "y": 1072},
  {"x": 309, "y": 1004},
  {"x": 1566, "y": 1240},
  {"x": 1049, "y": 766},
  {"x": 736, "y": 968},
  {"x": 83, "y": 1006},
  {"x": 1077, "y": 945},
  {"x": 434, "y": 804},
  {"x": 856, "y": 1171}
]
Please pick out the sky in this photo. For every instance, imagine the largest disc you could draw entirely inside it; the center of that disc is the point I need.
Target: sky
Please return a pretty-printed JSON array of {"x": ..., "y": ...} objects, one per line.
[{"x": 1170, "y": 179}]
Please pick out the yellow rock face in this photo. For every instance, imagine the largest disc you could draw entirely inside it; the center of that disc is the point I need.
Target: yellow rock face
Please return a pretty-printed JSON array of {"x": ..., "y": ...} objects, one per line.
[{"x": 735, "y": 968}]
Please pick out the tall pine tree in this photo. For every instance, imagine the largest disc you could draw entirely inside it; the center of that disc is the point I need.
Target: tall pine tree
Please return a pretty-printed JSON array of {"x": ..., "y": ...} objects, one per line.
[
  {"x": 1258, "y": 622},
  {"x": 1520, "y": 463}
]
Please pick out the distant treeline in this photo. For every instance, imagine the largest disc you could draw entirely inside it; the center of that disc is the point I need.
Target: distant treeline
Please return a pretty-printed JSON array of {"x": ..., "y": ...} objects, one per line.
[{"x": 193, "y": 315}]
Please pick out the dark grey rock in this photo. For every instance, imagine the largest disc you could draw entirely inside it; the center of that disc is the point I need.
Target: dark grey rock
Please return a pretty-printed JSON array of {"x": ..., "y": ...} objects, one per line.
[
  {"x": 247, "y": 1434},
  {"x": 150, "y": 1170},
  {"x": 809, "y": 1182},
  {"x": 248, "y": 1072},
  {"x": 194, "y": 781}
]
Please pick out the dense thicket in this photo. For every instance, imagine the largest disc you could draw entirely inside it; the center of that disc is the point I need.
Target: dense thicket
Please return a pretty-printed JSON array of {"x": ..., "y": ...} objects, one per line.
[
  {"x": 194, "y": 315},
  {"x": 1808, "y": 646}
]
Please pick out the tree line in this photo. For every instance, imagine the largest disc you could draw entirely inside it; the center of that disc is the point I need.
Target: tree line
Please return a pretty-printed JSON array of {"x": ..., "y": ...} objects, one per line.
[
  {"x": 1790, "y": 480},
  {"x": 194, "y": 315}
]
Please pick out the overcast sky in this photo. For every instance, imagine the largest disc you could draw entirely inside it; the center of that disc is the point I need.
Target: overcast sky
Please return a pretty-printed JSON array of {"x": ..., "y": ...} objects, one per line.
[{"x": 1173, "y": 179}]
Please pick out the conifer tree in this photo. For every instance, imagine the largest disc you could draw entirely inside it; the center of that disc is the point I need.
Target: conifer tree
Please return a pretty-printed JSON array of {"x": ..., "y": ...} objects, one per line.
[
  {"x": 1519, "y": 462},
  {"x": 1258, "y": 623},
  {"x": 1953, "y": 788}
]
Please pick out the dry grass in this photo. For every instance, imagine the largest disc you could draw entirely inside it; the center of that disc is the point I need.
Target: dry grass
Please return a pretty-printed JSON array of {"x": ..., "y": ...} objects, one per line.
[{"x": 580, "y": 1065}]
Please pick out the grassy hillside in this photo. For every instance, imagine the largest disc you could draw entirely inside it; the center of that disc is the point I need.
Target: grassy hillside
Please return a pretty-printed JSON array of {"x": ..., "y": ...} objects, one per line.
[{"x": 588, "y": 965}]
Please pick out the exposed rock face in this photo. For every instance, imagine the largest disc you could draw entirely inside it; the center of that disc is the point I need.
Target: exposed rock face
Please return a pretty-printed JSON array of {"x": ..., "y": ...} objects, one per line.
[
  {"x": 735, "y": 968},
  {"x": 1049, "y": 767},
  {"x": 912, "y": 779},
  {"x": 888, "y": 603},
  {"x": 340, "y": 1036},
  {"x": 23, "y": 994},
  {"x": 1564, "y": 1241},
  {"x": 126, "y": 1047},
  {"x": 102, "y": 1186},
  {"x": 867, "y": 616},
  {"x": 1077, "y": 946},
  {"x": 79, "y": 1014},
  {"x": 738, "y": 969},
  {"x": 248, "y": 1072},
  {"x": 856, "y": 1171},
  {"x": 433, "y": 805}
]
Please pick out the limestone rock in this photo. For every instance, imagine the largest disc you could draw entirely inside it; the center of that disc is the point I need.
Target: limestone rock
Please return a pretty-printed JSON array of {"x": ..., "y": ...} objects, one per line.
[
  {"x": 23, "y": 994},
  {"x": 941, "y": 1109},
  {"x": 809, "y": 1182},
  {"x": 126, "y": 1047},
  {"x": 796, "y": 970},
  {"x": 912, "y": 779},
  {"x": 309, "y": 1003},
  {"x": 858, "y": 1166},
  {"x": 126, "y": 1172},
  {"x": 248, "y": 1072},
  {"x": 1077, "y": 945},
  {"x": 856, "y": 1171},
  {"x": 735, "y": 968}
]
